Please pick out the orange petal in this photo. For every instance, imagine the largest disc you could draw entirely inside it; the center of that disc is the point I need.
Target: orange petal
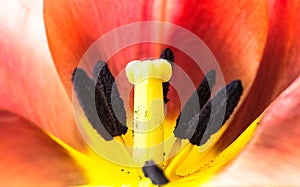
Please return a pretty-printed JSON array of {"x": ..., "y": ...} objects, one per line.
[
  {"x": 273, "y": 157},
  {"x": 280, "y": 66},
  {"x": 29, "y": 82},
  {"x": 30, "y": 158},
  {"x": 73, "y": 26},
  {"x": 235, "y": 31}
]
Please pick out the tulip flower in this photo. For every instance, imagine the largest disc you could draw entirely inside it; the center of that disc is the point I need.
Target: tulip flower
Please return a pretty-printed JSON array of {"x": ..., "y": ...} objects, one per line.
[{"x": 256, "y": 42}]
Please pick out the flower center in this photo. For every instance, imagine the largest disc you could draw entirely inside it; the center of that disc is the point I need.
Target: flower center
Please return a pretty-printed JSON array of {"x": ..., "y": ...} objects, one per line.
[{"x": 201, "y": 117}]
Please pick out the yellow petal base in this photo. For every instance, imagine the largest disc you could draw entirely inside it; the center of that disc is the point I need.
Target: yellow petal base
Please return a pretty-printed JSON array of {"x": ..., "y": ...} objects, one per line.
[{"x": 100, "y": 172}]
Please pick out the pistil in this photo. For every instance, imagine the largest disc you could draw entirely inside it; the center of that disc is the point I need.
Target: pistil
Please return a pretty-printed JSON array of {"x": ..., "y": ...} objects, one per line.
[{"x": 147, "y": 77}]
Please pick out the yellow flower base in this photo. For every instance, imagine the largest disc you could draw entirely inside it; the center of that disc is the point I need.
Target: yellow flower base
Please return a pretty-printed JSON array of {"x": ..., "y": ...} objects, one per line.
[{"x": 101, "y": 172}]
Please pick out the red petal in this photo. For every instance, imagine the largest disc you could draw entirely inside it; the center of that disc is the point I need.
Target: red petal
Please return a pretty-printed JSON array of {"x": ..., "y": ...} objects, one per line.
[
  {"x": 29, "y": 82},
  {"x": 30, "y": 158},
  {"x": 273, "y": 157},
  {"x": 280, "y": 66},
  {"x": 73, "y": 26},
  {"x": 235, "y": 31}
]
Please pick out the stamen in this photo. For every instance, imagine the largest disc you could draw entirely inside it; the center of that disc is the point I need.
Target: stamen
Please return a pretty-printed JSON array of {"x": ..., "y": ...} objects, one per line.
[
  {"x": 190, "y": 109},
  {"x": 106, "y": 84},
  {"x": 202, "y": 94},
  {"x": 96, "y": 102},
  {"x": 197, "y": 129},
  {"x": 168, "y": 55},
  {"x": 155, "y": 173},
  {"x": 204, "y": 124}
]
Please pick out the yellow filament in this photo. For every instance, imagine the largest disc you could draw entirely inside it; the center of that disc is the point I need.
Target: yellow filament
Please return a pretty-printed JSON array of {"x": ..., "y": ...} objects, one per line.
[{"x": 176, "y": 160}]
